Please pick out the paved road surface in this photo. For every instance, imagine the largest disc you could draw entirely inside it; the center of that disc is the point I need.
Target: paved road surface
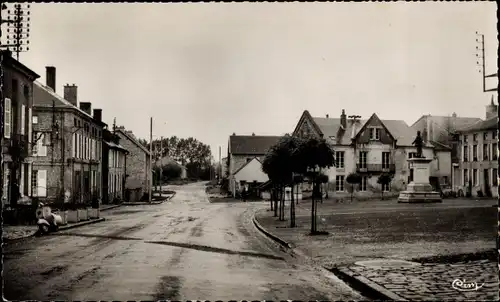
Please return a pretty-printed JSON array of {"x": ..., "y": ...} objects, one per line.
[{"x": 184, "y": 249}]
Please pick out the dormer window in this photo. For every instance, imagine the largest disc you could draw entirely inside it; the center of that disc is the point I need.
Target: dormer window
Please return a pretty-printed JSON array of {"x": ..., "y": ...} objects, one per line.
[{"x": 374, "y": 133}]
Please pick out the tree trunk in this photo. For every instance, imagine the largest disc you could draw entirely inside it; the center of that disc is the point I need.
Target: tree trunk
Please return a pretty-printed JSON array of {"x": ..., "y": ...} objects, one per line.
[
  {"x": 313, "y": 218},
  {"x": 292, "y": 211},
  {"x": 271, "y": 199},
  {"x": 275, "y": 201},
  {"x": 282, "y": 204}
]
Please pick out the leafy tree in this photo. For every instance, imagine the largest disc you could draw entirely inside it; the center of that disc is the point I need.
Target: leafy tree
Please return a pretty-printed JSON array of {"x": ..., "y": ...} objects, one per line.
[
  {"x": 353, "y": 179},
  {"x": 383, "y": 180}
]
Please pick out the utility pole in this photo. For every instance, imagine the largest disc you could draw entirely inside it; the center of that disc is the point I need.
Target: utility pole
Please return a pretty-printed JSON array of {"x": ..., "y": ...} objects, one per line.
[
  {"x": 150, "y": 159},
  {"x": 482, "y": 65},
  {"x": 19, "y": 28},
  {"x": 161, "y": 163},
  {"x": 220, "y": 165}
]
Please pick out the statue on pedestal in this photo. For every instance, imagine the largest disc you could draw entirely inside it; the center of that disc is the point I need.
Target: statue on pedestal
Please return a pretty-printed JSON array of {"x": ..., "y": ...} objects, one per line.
[{"x": 418, "y": 142}]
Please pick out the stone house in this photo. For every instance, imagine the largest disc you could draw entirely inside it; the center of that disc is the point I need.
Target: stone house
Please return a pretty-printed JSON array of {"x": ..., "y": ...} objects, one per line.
[
  {"x": 67, "y": 145},
  {"x": 17, "y": 139},
  {"x": 139, "y": 169},
  {"x": 478, "y": 154},
  {"x": 371, "y": 147},
  {"x": 114, "y": 168},
  {"x": 166, "y": 160},
  {"x": 242, "y": 150}
]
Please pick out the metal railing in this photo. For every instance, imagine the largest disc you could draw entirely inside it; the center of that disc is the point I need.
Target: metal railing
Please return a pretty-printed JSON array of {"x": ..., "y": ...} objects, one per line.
[{"x": 362, "y": 167}]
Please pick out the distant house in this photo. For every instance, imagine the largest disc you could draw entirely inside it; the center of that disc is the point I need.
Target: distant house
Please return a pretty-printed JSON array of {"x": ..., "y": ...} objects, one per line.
[
  {"x": 245, "y": 156},
  {"x": 168, "y": 160},
  {"x": 114, "y": 167},
  {"x": 67, "y": 137},
  {"x": 478, "y": 154},
  {"x": 139, "y": 168},
  {"x": 370, "y": 147}
]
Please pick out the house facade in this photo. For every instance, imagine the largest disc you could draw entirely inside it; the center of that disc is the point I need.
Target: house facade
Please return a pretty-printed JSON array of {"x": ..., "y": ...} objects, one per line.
[
  {"x": 17, "y": 95},
  {"x": 67, "y": 145},
  {"x": 114, "y": 168},
  {"x": 372, "y": 147},
  {"x": 478, "y": 154},
  {"x": 242, "y": 150},
  {"x": 138, "y": 165}
]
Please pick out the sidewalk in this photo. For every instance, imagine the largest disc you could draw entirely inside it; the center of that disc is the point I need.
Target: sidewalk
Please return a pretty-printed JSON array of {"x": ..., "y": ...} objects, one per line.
[{"x": 404, "y": 234}]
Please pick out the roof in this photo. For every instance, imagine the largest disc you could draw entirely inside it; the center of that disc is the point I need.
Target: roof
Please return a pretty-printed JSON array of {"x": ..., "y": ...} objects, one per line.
[
  {"x": 460, "y": 122},
  {"x": 8, "y": 60},
  {"x": 115, "y": 146},
  {"x": 489, "y": 124},
  {"x": 45, "y": 97},
  {"x": 246, "y": 164},
  {"x": 132, "y": 139},
  {"x": 439, "y": 146},
  {"x": 398, "y": 128},
  {"x": 251, "y": 144}
]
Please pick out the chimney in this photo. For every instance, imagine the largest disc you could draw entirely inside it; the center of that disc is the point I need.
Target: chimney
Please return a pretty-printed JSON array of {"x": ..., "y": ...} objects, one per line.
[
  {"x": 87, "y": 107},
  {"x": 454, "y": 115},
  {"x": 50, "y": 77},
  {"x": 70, "y": 94},
  {"x": 234, "y": 133},
  {"x": 98, "y": 115},
  {"x": 491, "y": 109},
  {"x": 327, "y": 116},
  {"x": 343, "y": 119},
  {"x": 429, "y": 133},
  {"x": 253, "y": 134}
]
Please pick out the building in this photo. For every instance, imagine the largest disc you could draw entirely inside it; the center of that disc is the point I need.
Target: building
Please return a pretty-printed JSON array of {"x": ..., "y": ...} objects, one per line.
[
  {"x": 139, "y": 168},
  {"x": 17, "y": 137},
  {"x": 443, "y": 130},
  {"x": 114, "y": 168},
  {"x": 371, "y": 147},
  {"x": 67, "y": 145},
  {"x": 166, "y": 160},
  {"x": 245, "y": 156},
  {"x": 479, "y": 155}
]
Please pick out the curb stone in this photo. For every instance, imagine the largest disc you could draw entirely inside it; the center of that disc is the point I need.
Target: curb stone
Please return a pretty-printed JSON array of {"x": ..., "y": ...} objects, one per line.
[
  {"x": 268, "y": 234},
  {"x": 147, "y": 203},
  {"x": 61, "y": 228},
  {"x": 111, "y": 207},
  {"x": 366, "y": 285}
]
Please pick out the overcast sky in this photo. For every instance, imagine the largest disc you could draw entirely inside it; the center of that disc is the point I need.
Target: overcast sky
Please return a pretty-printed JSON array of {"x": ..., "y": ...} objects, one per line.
[{"x": 208, "y": 70}]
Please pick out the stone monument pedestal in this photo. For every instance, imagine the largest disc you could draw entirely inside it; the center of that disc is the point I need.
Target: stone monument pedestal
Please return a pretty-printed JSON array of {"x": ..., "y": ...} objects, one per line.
[{"x": 419, "y": 190}]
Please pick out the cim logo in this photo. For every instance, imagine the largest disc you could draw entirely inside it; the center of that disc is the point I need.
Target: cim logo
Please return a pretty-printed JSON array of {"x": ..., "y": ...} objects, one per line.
[{"x": 463, "y": 286}]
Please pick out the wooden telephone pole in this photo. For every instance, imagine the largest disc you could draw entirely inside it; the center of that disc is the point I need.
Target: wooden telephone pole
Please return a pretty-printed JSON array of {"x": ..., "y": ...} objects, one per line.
[{"x": 482, "y": 63}]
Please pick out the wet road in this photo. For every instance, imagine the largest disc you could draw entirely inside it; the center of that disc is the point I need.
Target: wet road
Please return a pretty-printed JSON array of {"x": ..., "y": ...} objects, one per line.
[{"x": 184, "y": 249}]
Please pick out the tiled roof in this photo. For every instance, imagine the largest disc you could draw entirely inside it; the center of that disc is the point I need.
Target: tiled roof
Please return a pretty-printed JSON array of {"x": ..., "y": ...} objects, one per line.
[
  {"x": 251, "y": 144},
  {"x": 132, "y": 139},
  {"x": 459, "y": 122},
  {"x": 399, "y": 129},
  {"x": 115, "y": 146},
  {"x": 489, "y": 124},
  {"x": 43, "y": 97}
]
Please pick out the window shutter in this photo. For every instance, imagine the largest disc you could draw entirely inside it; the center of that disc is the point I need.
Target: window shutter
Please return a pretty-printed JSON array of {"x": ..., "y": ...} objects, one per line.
[
  {"x": 21, "y": 182},
  {"x": 30, "y": 125},
  {"x": 30, "y": 169},
  {"x": 42, "y": 183},
  {"x": 7, "y": 118},
  {"x": 23, "y": 118},
  {"x": 73, "y": 150}
]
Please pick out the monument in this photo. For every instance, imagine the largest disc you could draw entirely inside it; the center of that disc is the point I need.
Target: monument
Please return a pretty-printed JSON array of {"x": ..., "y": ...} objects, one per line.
[{"x": 419, "y": 190}]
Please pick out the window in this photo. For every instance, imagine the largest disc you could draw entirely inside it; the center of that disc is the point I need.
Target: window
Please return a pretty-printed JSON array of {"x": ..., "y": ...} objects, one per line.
[
  {"x": 494, "y": 177},
  {"x": 465, "y": 179},
  {"x": 73, "y": 145},
  {"x": 362, "y": 159},
  {"x": 474, "y": 153},
  {"x": 386, "y": 187},
  {"x": 7, "y": 118},
  {"x": 34, "y": 119},
  {"x": 41, "y": 183},
  {"x": 474, "y": 137},
  {"x": 494, "y": 150},
  {"x": 75, "y": 122},
  {"x": 26, "y": 92},
  {"x": 412, "y": 154},
  {"x": 30, "y": 125},
  {"x": 485, "y": 151},
  {"x": 339, "y": 159},
  {"x": 445, "y": 180},
  {"x": 40, "y": 148},
  {"x": 474, "y": 177},
  {"x": 23, "y": 118},
  {"x": 34, "y": 182},
  {"x": 466, "y": 154},
  {"x": 386, "y": 159},
  {"x": 364, "y": 183},
  {"x": 494, "y": 134},
  {"x": 15, "y": 87},
  {"x": 339, "y": 183},
  {"x": 485, "y": 135},
  {"x": 375, "y": 133}
]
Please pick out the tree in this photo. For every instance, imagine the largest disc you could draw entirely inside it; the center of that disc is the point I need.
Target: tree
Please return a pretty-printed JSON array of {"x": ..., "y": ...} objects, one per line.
[
  {"x": 383, "y": 180},
  {"x": 353, "y": 179},
  {"x": 171, "y": 171}
]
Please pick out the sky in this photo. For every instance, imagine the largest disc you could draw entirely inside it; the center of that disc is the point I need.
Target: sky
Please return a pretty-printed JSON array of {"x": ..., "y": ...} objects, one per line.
[{"x": 208, "y": 70}]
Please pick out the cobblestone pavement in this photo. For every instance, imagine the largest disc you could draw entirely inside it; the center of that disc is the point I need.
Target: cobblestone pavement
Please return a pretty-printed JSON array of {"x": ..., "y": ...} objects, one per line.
[
  {"x": 431, "y": 281},
  {"x": 18, "y": 231}
]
